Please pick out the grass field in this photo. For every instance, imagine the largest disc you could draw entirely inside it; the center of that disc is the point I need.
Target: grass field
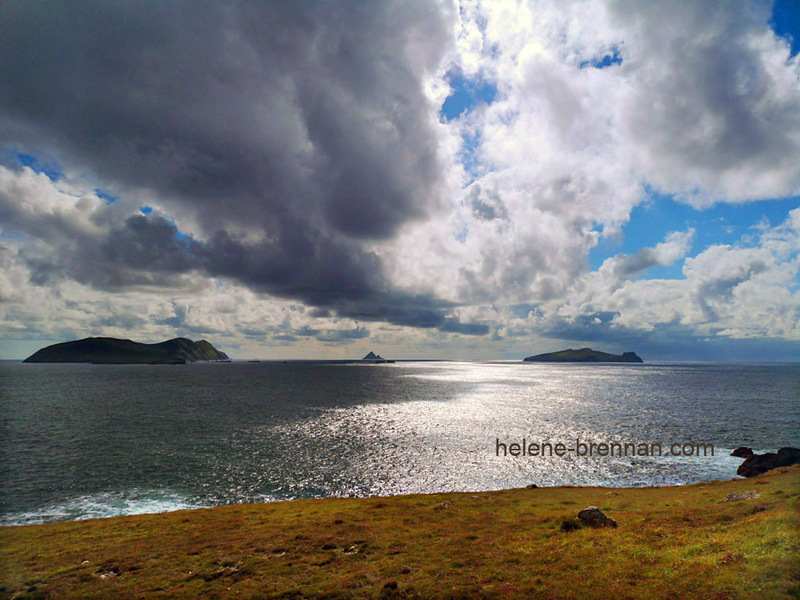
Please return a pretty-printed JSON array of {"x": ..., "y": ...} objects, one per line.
[{"x": 677, "y": 542}]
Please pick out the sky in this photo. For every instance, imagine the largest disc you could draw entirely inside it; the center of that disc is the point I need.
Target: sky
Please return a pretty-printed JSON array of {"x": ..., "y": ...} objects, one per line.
[{"x": 469, "y": 179}]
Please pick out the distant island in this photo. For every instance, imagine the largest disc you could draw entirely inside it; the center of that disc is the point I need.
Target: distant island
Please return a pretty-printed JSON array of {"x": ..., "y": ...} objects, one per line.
[
  {"x": 112, "y": 351},
  {"x": 376, "y": 358},
  {"x": 584, "y": 355}
]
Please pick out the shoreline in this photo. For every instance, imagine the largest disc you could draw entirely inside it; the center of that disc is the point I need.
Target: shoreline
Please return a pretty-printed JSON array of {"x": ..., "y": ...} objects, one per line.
[
  {"x": 185, "y": 504},
  {"x": 686, "y": 538}
]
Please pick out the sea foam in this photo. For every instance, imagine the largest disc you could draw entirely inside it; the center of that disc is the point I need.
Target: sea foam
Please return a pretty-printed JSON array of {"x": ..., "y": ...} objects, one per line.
[{"x": 98, "y": 506}]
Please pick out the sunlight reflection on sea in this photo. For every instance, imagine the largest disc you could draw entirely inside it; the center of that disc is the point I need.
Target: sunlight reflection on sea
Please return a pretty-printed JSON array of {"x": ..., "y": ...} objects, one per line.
[{"x": 115, "y": 438}]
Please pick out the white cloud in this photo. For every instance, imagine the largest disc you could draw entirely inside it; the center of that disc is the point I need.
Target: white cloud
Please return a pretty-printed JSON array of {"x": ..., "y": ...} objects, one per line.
[
  {"x": 727, "y": 291},
  {"x": 706, "y": 108},
  {"x": 711, "y": 103}
]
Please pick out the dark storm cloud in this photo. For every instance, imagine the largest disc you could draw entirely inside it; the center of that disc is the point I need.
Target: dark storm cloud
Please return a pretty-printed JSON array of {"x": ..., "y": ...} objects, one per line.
[
  {"x": 454, "y": 326},
  {"x": 339, "y": 336},
  {"x": 304, "y": 123},
  {"x": 260, "y": 108},
  {"x": 149, "y": 251},
  {"x": 150, "y": 244}
]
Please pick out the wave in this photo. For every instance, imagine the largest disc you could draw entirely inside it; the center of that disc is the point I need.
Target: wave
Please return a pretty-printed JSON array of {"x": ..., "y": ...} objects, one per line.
[{"x": 106, "y": 504}]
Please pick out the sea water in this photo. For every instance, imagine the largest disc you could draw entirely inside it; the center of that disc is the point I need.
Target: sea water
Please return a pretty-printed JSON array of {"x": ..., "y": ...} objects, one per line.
[{"x": 81, "y": 441}]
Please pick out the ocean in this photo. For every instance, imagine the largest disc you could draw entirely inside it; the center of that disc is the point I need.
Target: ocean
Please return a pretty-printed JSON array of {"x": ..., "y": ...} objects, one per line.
[{"x": 83, "y": 441}]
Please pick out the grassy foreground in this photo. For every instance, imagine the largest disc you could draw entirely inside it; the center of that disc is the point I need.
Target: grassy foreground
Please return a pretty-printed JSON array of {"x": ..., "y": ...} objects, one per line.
[{"x": 679, "y": 542}]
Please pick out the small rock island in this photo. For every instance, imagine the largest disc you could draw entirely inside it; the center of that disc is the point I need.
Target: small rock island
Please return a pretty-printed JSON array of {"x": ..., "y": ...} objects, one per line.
[
  {"x": 376, "y": 358},
  {"x": 113, "y": 351},
  {"x": 584, "y": 355}
]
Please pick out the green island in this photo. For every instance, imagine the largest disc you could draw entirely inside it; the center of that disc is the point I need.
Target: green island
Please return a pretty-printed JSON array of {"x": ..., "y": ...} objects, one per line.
[
  {"x": 726, "y": 539},
  {"x": 584, "y": 355},
  {"x": 105, "y": 350}
]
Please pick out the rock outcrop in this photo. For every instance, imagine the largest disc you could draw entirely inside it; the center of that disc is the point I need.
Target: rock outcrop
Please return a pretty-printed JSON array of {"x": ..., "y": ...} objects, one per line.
[
  {"x": 742, "y": 452},
  {"x": 756, "y": 464}
]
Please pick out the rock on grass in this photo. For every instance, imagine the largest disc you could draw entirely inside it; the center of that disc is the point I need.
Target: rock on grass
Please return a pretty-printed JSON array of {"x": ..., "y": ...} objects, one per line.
[{"x": 595, "y": 517}]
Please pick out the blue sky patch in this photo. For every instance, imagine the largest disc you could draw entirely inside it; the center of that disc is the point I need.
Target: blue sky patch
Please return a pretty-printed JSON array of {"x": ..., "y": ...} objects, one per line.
[
  {"x": 468, "y": 156},
  {"x": 107, "y": 197},
  {"x": 145, "y": 210},
  {"x": 46, "y": 167},
  {"x": 179, "y": 235},
  {"x": 466, "y": 95},
  {"x": 786, "y": 22},
  {"x": 609, "y": 59},
  {"x": 652, "y": 221}
]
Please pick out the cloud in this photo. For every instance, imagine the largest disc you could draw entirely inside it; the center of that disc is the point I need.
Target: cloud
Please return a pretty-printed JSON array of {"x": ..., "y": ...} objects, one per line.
[
  {"x": 567, "y": 151},
  {"x": 452, "y": 325},
  {"x": 719, "y": 118},
  {"x": 343, "y": 335},
  {"x": 294, "y": 158},
  {"x": 728, "y": 292},
  {"x": 666, "y": 253},
  {"x": 279, "y": 133}
]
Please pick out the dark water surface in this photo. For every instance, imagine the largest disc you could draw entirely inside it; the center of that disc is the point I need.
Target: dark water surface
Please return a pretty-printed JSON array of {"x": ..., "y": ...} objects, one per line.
[{"x": 81, "y": 441}]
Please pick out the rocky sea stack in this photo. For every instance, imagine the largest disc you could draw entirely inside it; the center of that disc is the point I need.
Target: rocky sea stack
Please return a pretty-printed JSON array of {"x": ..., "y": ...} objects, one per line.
[
  {"x": 103, "y": 350},
  {"x": 375, "y": 358}
]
